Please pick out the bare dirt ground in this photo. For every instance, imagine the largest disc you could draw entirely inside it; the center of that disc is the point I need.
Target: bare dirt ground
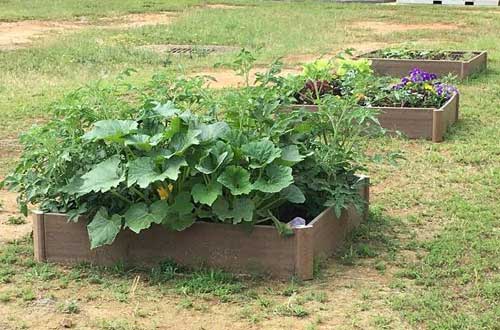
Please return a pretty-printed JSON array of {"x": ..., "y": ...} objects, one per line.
[
  {"x": 225, "y": 78},
  {"x": 358, "y": 49},
  {"x": 349, "y": 301},
  {"x": 222, "y": 6},
  {"x": 354, "y": 293},
  {"x": 22, "y": 33},
  {"x": 387, "y": 27},
  {"x": 9, "y": 232}
]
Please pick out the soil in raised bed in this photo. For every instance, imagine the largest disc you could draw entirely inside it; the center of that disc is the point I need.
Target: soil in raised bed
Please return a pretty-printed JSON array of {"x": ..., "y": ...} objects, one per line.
[{"x": 436, "y": 55}]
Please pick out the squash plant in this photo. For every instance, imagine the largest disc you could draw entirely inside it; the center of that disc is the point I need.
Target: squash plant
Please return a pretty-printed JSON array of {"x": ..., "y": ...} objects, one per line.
[
  {"x": 233, "y": 157},
  {"x": 171, "y": 167}
]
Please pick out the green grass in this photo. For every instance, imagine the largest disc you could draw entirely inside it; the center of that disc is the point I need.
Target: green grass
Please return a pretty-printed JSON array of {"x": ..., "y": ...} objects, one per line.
[
  {"x": 427, "y": 259},
  {"x": 66, "y": 9},
  {"x": 16, "y": 220}
]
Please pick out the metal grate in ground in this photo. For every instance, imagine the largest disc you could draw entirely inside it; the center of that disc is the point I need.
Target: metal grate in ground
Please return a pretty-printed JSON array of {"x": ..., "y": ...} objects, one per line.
[{"x": 190, "y": 50}]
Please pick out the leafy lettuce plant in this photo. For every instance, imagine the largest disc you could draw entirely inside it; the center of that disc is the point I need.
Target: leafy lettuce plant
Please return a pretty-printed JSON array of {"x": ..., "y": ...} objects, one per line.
[{"x": 339, "y": 77}]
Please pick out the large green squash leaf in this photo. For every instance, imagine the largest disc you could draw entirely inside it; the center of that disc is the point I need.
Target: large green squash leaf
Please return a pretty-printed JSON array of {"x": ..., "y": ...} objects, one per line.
[
  {"x": 261, "y": 153},
  {"x": 106, "y": 175},
  {"x": 172, "y": 167},
  {"x": 211, "y": 132},
  {"x": 275, "y": 178},
  {"x": 290, "y": 155},
  {"x": 217, "y": 155},
  {"x": 182, "y": 204},
  {"x": 242, "y": 209},
  {"x": 102, "y": 229},
  {"x": 142, "y": 141},
  {"x": 111, "y": 130},
  {"x": 142, "y": 171},
  {"x": 293, "y": 194},
  {"x": 180, "y": 215},
  {"x": 160, "y": 209},
  {"x": 237, "y": 179},
  {"x": 138, "y": 217},
  {"x": 206, "y": 194},
  {"x": 167, "y": 110},
  {"x": 173, "y": 128},
  {"x": 183, "y": 140}
]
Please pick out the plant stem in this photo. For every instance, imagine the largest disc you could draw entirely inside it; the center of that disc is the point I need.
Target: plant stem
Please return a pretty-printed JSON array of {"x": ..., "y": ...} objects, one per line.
[
  {"x": 134, "y": 189},
  {"x": 120, "y": 196}
]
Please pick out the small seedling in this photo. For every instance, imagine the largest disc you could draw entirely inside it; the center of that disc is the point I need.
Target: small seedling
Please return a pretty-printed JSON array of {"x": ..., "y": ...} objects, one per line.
[
  {"x": 19, "y": 220},
  {"x": 27, "y": 295},
  {"x": 5, "y": 297},
  {"x": 69, "y": 307},
  {"x": 291, "y": 309}
]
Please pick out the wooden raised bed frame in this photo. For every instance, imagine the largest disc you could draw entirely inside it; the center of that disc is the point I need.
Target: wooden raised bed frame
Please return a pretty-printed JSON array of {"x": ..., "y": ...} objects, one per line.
[
  {"x": 415, "y": 123},
  {"x": 400, "y": 67},
  {"x": 262, "y": 251}
]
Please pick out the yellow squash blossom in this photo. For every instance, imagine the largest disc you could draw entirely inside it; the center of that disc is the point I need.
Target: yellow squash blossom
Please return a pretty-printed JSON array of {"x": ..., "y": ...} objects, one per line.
[{"x": 164, "y": 192}]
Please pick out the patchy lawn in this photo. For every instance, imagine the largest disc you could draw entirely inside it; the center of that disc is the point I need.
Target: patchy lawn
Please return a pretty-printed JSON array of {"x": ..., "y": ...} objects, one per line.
[{"x": 427, "y": 259}]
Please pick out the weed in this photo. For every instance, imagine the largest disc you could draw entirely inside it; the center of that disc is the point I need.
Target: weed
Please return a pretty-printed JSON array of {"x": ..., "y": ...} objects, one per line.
[
  {"x": 186, "y": 303},
  {"x": 291, "y": 308},
  {"x": 27, "y": 294},
  {"x": 5, "y": 297},
  {"x": 16, "y": 220},
  {"x": 218, "y": 283},
  {"x": 165, "y": 271},
  {"x": 69, "y": 307},
  {"x": 380, "y": 266}
]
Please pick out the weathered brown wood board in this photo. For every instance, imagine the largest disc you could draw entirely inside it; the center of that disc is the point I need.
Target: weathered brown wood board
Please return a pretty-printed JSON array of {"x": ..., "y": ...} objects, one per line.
[
  {"x": 229, "y": 247},
  {"x": 401, "y": 67}
]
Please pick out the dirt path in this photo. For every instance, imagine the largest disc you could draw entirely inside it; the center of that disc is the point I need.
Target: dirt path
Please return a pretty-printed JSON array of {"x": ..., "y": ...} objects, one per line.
[
  {"x": 388, "y": 27},
  {"x": 227, "y": 78},
  {"x": 21, "y": 34},
  {"x": 9, "y": 232}
]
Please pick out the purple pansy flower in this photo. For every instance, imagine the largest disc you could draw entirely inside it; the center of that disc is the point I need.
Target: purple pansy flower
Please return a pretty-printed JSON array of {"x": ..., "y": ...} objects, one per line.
[
  {"x": 445, "y": 90},
  {"x": 417, "y": 77}
]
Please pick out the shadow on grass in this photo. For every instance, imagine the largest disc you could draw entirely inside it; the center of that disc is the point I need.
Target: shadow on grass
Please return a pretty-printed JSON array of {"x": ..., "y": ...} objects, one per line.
[{"x": 17, "y": 265}]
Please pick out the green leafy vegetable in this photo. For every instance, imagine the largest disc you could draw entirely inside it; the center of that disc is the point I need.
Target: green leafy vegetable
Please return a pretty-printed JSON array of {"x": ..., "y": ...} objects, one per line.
[
  {"x": 103, "y": 229},
  {"x": 206, "y": 194},
  {"x": 111, "y": 130},
  {"x": 261, "y": 153},
  {"x": 237, "y": 179},
  {"x": 106, "y": 175},
  {"x": 276, "y": 178}
]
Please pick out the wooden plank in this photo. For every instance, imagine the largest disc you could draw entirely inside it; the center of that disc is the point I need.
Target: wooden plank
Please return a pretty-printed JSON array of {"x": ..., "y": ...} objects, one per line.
[
  {"x": 262, "y": 251},
  {"x": 330, "y": 231},
  {"x": 415, "y": 123},
  {"x": 39, "y": 236},
  {"x": 68, "y": 242},
  {"x": 304, "y": 252},
  {"x": 475, "y": 65}
]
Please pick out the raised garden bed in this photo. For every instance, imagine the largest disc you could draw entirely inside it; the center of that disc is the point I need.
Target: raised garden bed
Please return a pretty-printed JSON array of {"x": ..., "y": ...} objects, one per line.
[
  {"x": 398, "y": 67},
  {"x": 415, "y": 123},
  {"x": 261, "y": 251}
]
